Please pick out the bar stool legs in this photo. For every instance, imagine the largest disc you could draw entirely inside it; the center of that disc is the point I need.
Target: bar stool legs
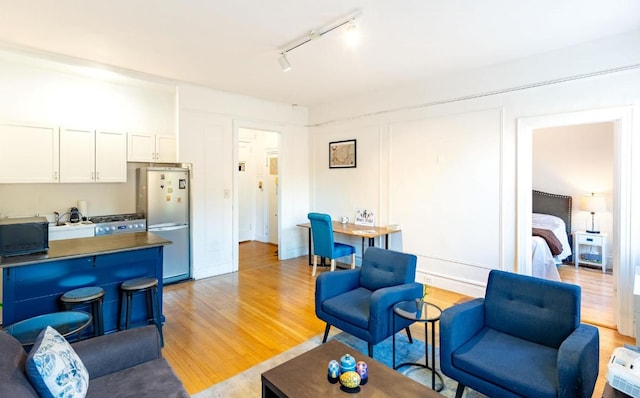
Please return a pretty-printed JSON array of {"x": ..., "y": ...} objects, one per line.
[
  {"x": 91, "y": 295},
  {"x": 148, "y": 285}
]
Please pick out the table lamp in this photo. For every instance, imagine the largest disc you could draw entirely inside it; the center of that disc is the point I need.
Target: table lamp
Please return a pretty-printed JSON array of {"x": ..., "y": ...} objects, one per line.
[{"x": 593, "y": 203}]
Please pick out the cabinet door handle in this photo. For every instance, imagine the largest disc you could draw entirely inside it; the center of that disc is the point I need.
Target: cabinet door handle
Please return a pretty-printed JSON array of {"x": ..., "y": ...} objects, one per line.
[
  {"x": 55, "y": 175},
  {"x": 97, "y": 175}
]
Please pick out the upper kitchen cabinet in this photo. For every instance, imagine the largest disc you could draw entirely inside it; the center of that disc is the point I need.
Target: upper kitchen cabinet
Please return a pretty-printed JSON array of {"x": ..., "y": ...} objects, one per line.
[
  {"x": 151, "y": 148},
  {"x": 28, "y": 153},
  {"x": 88, "y": 155}
]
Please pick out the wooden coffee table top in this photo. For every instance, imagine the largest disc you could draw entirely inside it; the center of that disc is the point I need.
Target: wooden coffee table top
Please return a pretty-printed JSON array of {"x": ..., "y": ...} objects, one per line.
[{"x": 306, "y": 376}]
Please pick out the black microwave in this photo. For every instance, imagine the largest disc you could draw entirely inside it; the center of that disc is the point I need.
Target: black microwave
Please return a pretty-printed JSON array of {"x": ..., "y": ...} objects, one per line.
[{"x": 26, "y": 235}]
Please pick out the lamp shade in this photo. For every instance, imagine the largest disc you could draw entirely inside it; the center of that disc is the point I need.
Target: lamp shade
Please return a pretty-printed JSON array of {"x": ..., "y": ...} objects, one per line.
[{"x": 593, "y": 203}]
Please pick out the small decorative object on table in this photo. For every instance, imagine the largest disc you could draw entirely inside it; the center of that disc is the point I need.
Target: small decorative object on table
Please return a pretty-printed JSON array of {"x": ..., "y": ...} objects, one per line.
[
  {"x": 334, "y": 370},
  {"x": 347, "y": 363},
  {"x": 363, "y": 370},
  {"x": 420, "y": 301},
  {"x": 350, "y": 379}
]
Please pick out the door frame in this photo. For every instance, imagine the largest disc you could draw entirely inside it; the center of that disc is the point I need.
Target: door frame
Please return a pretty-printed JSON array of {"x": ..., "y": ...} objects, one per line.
[
  {"x": 623, "y": 225},
  {"x": 259, "y": 126}
]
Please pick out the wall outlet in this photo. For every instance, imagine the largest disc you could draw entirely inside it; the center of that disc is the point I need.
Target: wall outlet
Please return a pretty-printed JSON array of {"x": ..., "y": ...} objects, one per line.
[{"x": 428, "y": 280}]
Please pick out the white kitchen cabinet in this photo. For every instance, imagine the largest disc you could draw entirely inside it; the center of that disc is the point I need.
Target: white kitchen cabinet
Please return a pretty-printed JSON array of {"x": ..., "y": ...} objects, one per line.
[
  {"x": 29, "y": 153},
  {"x": 88, "y": 155},
  {"x": 151, "y": 148},
  {"x": 111, "y": 156}
]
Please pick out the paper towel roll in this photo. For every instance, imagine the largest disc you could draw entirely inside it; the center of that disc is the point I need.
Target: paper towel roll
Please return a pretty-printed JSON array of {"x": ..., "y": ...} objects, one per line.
[{"x": 82, "y": 208}]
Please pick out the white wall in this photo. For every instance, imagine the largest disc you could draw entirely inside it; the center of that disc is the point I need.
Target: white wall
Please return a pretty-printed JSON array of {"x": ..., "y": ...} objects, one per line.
[
  {"x": 468, "y": 124},
  {"x": 49, "y": 92},
  {"x": 209, "y": 123},
  {"x": 577, "y": 160}
]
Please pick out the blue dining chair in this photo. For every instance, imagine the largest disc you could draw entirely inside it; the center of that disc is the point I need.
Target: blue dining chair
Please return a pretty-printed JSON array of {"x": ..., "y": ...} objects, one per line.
[{"x": 323, "y": 243}]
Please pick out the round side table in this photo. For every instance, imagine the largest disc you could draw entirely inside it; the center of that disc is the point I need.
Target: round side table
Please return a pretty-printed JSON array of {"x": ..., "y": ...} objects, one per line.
[
  {"x": 65, "y": 322},
  {"x": 428, "y": 314}
]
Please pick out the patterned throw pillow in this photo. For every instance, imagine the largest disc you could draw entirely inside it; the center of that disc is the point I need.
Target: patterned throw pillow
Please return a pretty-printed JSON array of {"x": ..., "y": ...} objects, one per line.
[{"x": 55, "y": 370}]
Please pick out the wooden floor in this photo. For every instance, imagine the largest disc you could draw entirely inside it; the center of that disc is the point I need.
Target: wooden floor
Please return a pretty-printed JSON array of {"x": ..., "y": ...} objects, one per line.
[
  {"x": 220, "y": 326},
  {"x": 598, "y": 294}
]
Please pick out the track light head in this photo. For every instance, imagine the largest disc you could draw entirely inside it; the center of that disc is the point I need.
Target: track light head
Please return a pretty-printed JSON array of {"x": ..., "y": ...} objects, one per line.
[{"x": 284, "y": 62}]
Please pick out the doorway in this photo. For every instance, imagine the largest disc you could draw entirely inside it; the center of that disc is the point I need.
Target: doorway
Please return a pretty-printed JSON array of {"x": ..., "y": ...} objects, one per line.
[
  {"x": 621, "y": 198},
  {"x": 577, "y": 160},
  {"x": 258, "y": 199}
]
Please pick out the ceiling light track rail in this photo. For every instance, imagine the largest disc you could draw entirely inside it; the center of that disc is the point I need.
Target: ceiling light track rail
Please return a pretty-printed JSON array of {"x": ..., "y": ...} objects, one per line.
[{"x": 314, "y": 35}]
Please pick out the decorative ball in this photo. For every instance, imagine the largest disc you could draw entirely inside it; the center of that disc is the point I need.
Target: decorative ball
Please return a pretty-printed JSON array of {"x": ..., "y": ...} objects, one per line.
[
  {"x": 334, "y": 369},
  {"x": 350, "y": 379},
  {"x": 347, "y": 363},
  {"x": 362, "y": 369}
]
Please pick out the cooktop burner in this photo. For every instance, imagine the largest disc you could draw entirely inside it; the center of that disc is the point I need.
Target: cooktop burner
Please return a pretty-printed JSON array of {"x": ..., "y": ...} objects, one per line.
[{"x": 116, "y": 217}]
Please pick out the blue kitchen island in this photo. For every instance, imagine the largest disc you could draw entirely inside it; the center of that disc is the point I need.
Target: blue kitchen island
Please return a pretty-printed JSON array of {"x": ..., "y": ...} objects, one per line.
[{"x": 33, "y": 284}]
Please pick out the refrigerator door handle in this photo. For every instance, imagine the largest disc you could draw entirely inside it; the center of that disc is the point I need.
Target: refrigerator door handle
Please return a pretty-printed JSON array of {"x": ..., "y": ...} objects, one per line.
[{"x": 172, "y": 228}]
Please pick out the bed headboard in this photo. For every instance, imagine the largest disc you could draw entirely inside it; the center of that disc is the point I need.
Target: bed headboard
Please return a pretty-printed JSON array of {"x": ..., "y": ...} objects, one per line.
[{"x": 556, "y": 205}]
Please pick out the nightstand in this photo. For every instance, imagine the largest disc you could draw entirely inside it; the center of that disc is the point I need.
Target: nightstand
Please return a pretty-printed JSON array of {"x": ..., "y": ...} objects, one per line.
[{"x": 590, "y": 249}]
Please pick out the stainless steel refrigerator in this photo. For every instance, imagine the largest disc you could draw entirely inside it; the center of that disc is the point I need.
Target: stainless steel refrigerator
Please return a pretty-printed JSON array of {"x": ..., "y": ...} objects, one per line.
[{"x": 163, "y": 196}]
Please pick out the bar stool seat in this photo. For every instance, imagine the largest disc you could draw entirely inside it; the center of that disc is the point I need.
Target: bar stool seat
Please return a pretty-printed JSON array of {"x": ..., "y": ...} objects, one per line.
[
  {"x": 144, "y": 284},
  {"x": 93, "y": 295}
]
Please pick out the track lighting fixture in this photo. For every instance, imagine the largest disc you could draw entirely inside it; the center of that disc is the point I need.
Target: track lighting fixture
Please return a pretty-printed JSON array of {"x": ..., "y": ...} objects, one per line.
[
  {"x": 351, "y": 37},
  {"x": 284, "y": 62}
]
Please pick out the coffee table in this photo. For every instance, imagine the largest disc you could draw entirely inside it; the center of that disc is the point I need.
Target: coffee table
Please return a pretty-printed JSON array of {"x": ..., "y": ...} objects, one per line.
[
  {"x": 306, "y": 376},
  {"x": 65, "y": 322}
]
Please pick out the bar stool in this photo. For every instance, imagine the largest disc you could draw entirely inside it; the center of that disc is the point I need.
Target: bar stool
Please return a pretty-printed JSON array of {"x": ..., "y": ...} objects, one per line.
[
  {"x": 93, "y": 295},
  {"x": 143, "y": 284}
]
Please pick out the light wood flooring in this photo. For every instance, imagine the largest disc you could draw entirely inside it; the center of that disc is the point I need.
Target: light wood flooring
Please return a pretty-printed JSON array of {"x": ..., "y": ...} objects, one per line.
[{"x": 220, "y": 326}]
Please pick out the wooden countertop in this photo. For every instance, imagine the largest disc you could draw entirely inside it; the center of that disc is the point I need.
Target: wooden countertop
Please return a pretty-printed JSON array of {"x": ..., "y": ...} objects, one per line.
[{"x": 82, "y": 247}]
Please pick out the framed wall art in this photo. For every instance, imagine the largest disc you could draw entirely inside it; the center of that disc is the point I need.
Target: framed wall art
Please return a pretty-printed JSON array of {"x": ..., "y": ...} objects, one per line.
[{"x": 342, "y": 154}]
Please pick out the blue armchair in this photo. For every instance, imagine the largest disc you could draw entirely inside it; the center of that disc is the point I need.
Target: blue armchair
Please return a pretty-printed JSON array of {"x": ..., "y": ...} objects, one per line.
[
  {"x": 524, "y": 339},
  {"x": 323, "y": 243},
  {"x": 360, "y": 301}
]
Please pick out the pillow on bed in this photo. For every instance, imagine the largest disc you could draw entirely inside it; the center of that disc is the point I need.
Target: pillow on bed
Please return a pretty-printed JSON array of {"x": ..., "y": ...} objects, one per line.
[{"x": 547, "y": 221}]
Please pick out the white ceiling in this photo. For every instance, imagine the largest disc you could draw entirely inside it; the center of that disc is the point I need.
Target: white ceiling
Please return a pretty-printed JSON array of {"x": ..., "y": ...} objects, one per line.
[{"x": 233, "y": 45}]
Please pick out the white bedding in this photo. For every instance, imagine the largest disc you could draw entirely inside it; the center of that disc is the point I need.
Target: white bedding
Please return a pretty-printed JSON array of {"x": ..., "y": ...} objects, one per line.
[
  {"x": 559, "y": 229},
  {"x": 542, "y": 261}
]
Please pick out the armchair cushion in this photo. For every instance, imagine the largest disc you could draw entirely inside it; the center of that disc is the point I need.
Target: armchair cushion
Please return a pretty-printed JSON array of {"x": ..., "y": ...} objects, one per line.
[
  {"x": 384, "y": 268},
  {"x": 524, "y": 366},
  {"x": 352, "y": 307},
  {"x": 526, "y": 313}
]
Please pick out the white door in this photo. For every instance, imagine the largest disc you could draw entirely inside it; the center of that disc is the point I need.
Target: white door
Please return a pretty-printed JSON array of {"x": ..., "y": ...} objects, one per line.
[{"x": 246, "y": 193}]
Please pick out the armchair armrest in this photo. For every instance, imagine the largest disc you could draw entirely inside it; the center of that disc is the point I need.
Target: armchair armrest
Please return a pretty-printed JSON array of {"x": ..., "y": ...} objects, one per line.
[
  {"x": 458, "y": 324},
  {"x": 381, "y": 306},
  {"x": 578, "y": 362},
  {"x": 331, "y": 284},
  {"x": 121, "y": 350}
]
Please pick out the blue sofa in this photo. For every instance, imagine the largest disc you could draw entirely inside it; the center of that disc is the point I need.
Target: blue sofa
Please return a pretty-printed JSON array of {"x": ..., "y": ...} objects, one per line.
[
  {"x": 524, "y": 339},
  {"x": 360, "y": 301}
]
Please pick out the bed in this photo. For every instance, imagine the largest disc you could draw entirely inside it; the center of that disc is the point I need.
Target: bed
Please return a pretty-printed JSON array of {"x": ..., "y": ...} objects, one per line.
[{"x": 551, "y": 240}]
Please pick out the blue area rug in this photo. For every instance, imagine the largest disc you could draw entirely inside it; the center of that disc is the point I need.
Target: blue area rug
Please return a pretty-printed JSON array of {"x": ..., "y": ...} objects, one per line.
[{"x": 247, "y": 384}]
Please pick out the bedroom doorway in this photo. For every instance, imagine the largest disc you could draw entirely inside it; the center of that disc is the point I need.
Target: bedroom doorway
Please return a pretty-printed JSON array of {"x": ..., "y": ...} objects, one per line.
[{"x": 620, "y": 118}]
